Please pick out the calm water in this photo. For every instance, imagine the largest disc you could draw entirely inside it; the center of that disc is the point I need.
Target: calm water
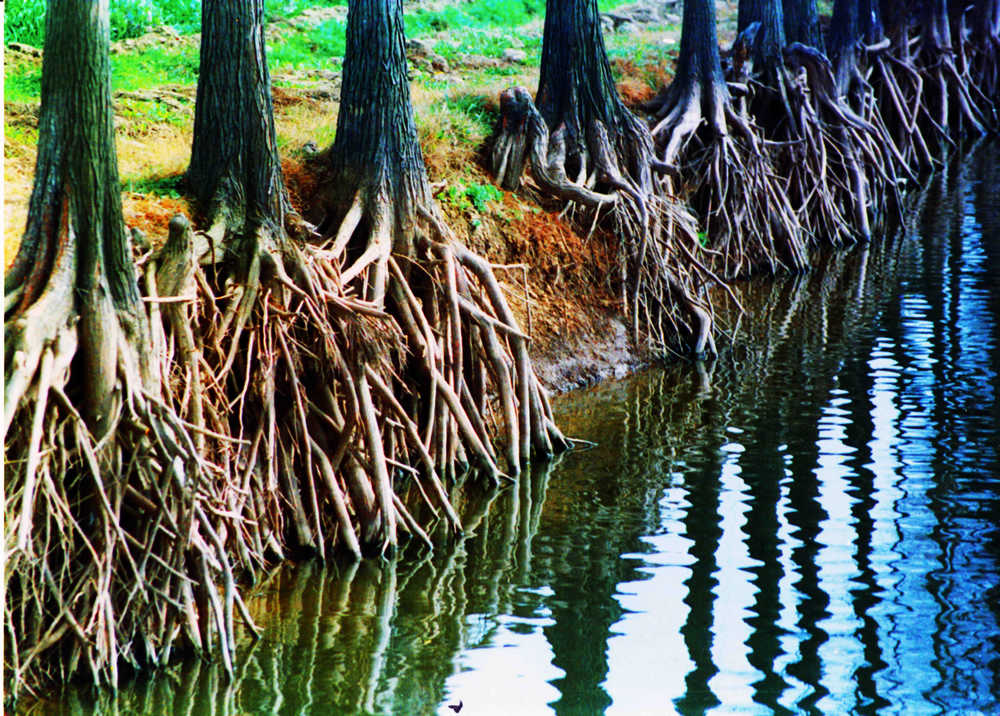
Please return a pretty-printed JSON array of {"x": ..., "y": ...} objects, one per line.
[{"x": 810, "y": 525}]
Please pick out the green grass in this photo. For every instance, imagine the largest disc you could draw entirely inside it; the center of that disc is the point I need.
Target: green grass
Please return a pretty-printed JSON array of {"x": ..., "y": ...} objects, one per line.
[
  {"x": 22, "y": 83},
  {"x": 290, "y": 8},
  {"x": 154, "y": 67},
  {"x": 468, "y": 195},
  {"x": 169, "y": 186},
  {"x": 485, "y": 13},
  {"x": 17, "y": 135},
  {"x": 478, "y": 116},
  {"x": 24, "y": 20},
  {"x": 310, "y": 49}
]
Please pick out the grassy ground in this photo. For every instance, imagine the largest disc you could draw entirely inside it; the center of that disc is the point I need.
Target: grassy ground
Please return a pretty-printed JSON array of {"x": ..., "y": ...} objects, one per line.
[{"x": 458, "y": 73}]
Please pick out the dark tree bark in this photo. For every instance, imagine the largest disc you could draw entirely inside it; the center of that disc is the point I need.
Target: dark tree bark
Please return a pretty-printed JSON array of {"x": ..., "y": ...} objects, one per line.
[
  {"x": 75, "y": 258},
  {"x": 584, "y": 144},
  {"x": 698, "y": 91},
  {"x": 747, "y": 13},
  {"x": 832, "y": 155},
  {"x": 576, "y": 88},
  {"x": 78, "y": 374},
  {"x": 802, "y": 23},
  {"x": 231, "y": 416},
  {"x": 380, "y": 218},
  {"x": 586, "y": 147},
  {"x": 981, "y": 54},
  {"x": 936, "y": 73},
  {"x": 761, "y": 26},
  {"x": 952, "y": 104},
  {"x": 235, "y": 172},
  {"x": 844, "y": 37},
  {"x": 375, "y": 157}
]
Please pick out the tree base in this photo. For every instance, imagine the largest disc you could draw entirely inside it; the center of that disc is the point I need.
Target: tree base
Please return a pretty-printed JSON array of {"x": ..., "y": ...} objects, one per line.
[
  {"x": 615, "y": 187},
  {"x": 290, "y": 396},
  {"x": 749, "y": 225}
]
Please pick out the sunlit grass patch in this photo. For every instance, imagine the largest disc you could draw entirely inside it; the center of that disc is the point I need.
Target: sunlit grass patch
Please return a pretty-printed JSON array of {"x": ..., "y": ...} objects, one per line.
[
  {"x": 485, "y": 13},
  {"x": 22, "y": 82},
  {"x": 163, "y": 153},
  {"x": 299, "y": 123},
  {"x": 154, "y": 67},
  {"x": 313, "y": 49},
  {"x": 451, "y": 127}
]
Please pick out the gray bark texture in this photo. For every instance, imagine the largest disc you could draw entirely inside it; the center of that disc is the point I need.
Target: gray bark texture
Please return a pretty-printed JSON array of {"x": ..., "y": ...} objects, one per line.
[{"x": 235, "y": 171}]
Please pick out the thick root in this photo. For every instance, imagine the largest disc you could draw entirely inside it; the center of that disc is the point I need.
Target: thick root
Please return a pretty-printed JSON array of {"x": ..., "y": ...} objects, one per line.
[
  {"x": 294, "y": 389},
  {"x": 615, "y": 186},
  {"x": 842, "y": 166},
  {"x": 749, "y": 225}
]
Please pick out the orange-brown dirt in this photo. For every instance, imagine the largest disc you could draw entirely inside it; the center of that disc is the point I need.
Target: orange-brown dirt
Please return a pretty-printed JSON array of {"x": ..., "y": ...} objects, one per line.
[{"x": 640, "y": 83}]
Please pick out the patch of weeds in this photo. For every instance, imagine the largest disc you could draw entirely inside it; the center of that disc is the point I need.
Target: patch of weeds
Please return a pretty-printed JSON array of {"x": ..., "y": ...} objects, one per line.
[
  {"x": 154, "y": 67},
  {"x": 275, "y": 9},
  {"x": 24, "y": 20},
  {"x": 143, "y": 116},
  {"x": 466, "y": 196},
  {"x": 631, "y": 53},
  {"x": 482, "y": 194},
  {"x": 605, "y": 5},
  {"x": 472, "y": 42},
  {"x": 23, "y": 83},
  {"x": 475, "y": 109},
  {"x": 168, "y": 186},
  {"x": 503, "y": 71},
  {"x": 16, "y": 136},
  {"x": 311, "y": 49},
  {"x": 482, "y": 14}
]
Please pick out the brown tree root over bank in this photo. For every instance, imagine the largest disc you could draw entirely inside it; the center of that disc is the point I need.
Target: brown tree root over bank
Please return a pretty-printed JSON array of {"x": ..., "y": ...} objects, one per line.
[
  {"x": 788, "y": 151},
  {"x": 286, "y": 419},
  {"x": 583, "y": 146},
  {"x": 705, "y": 136},
  {"x": 177, "y": 422}
]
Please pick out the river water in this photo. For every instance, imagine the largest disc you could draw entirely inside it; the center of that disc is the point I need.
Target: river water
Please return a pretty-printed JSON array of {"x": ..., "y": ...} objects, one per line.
[{"x": 809, "y": 525}]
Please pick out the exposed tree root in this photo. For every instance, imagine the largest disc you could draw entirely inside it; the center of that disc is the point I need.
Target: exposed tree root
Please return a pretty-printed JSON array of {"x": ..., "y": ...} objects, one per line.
[
  {"x": 938, "y": 81},
  {"x": 749, "y": 224},
  {"x": 613, "y": 182},
  {"x": 288, "y": 406},
  {"x": 112, "y": 547},
  {"x": 841, "y": 162}
]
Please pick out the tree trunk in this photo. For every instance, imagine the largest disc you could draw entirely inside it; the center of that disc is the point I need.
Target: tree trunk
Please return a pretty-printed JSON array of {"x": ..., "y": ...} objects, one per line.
[
  {"x": 78, "y": 370},
  {"x": 766, "y": 39},
  {"x": 75, "y": 212},
  {"x": 844, "y": 36},
  {"x": 576, "y": 87},
  {"x": 802, "y": 23},
  {"x": 698, "y": 78},
  {"x": 381, "y": 219},
  {"x": 375, "y": 153},
  {"x": 586, "y": 147},
  {"x": 746, "y": 215},
  {"x": 235, "y": 172}
]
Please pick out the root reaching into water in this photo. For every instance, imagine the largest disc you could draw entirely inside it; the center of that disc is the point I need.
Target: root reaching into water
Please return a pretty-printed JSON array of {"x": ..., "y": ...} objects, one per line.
[
  {"x": 749, "y": 224},
  {"x": 615, "y": 185},
  {"x": 290, "y": 379}
]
